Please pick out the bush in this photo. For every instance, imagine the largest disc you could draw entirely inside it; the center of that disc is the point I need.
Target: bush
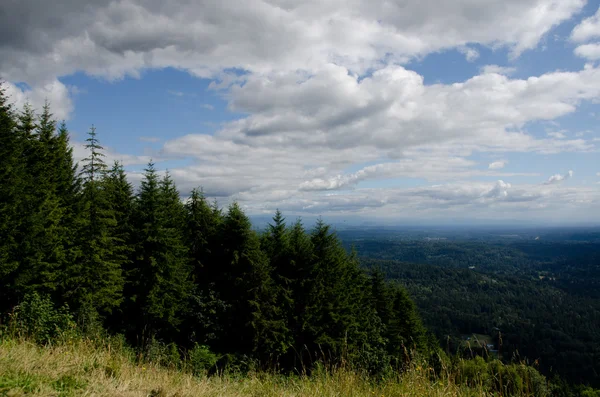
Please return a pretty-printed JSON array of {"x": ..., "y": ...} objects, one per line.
[
  {"x": 160, "y": 353},
  {"x": 201, "y": 359},
  {"x": 37, "y": 318}
]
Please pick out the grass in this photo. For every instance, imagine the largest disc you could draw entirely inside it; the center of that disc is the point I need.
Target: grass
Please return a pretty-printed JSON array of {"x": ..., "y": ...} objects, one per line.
[{"x": 85, "y": 368}]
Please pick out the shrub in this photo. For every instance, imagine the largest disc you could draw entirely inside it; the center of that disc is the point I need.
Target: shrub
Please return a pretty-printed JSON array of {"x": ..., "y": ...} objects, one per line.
[
  {"x": 37, "y": 318},
  {"x": 201, "y": 359}
]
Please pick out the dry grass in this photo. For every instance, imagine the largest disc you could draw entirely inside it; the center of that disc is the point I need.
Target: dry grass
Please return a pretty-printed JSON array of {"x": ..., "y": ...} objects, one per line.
[{"x": 79, "y": 368}]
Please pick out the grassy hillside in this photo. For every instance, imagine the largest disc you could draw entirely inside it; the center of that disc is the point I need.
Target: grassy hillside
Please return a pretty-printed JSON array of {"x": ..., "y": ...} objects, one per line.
[{"x": 80, "y": 367}]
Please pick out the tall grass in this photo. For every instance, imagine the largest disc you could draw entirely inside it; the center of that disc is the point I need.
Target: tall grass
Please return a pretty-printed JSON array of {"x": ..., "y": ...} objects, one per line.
[{"x": 106, "y": 367}]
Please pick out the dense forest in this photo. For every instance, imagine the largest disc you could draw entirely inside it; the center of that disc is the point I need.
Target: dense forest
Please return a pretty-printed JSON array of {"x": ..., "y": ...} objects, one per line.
[
  {"x": 536, "y": 300},
  {"x": 153, "y": 268},
  {"x": 80, "y": 247}
]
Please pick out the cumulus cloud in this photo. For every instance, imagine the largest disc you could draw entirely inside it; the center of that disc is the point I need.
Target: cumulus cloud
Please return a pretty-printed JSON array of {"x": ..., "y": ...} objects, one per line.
[
  {"x": 588, "y": 28},
  {"x": 557, "y": 178},
  {"x": 496, "y": 165},
  {"x": 55, "y": 92},
  {"x": 394, "y": 109},
  {"x": 114, "y": 39},
  {"x": 328, "y": 103},
  {"x": 589, "y": 51}
]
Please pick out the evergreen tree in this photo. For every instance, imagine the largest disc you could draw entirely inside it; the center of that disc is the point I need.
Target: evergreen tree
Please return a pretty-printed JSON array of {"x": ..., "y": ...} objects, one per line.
[
  {"x": 119, "y": 194},
  {"x": 201, "y": 229},
  {"x": 338, "y": 316},
  {"x": 202, "y": 223},
  {"x": 41, "y": 249},
  {"x": 253, "y": 325},
  {"x": 12, "y": 173},
  {"x": 160, "y": 280},
  {"x": 276, "y": 245},
  {"x": 94, "y": 282},
  {"x": 405, "y": 332}
]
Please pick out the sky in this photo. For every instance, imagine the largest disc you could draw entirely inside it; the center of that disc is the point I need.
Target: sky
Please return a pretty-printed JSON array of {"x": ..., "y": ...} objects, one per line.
[{"x": 405, "y": 111}]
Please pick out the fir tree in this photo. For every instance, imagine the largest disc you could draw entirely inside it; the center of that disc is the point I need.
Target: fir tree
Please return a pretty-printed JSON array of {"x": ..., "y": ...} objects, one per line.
[
  {"x": 202, "y": 223},
  {"x": 161, "y": 278},
  {"x": 95, "y": 280},
  {"x": 41, "y": 251},
  {"x": 254, "y": 324},
  {"x": 12, "y": 173},
  {"x": 405, "y": 332}
]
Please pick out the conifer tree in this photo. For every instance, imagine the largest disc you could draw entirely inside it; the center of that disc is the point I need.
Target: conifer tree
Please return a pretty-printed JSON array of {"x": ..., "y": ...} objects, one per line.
[
  {"x": 161, "y": 278},
  {"x": 11, "y": 179},
  {"x": 254, "y": 324},
  {"x": 94, "y": 282},
  {"x": 276, "y": 244},
  {"x": 338, "y": 314},
  {"x": 201, "y": 230},
  {"x": 202, "y": 225},
  {"x": 405, "y": 332},
  {"x": 119, "y": 194},
  {"x": 40, "y": 235}
]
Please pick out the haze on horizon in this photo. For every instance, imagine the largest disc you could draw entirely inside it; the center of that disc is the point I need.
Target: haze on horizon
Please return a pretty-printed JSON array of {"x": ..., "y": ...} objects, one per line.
[{"x": 412, "y": 111}]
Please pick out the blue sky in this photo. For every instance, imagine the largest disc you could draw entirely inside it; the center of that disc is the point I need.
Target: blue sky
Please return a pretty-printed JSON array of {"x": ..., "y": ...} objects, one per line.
[{"x": 484, "y": 111}]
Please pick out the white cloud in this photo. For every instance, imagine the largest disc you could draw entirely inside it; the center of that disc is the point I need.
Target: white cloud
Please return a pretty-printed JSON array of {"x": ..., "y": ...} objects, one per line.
[
  {"x": 588, "y": 51},
  {"x": 207, "y": 106},
  {"x": 393, "y": 109},
  {"x": 55, "y": 92},
  {"x": 114, "y": 39},
  {"x": 504, "y": 70},
  {"x": 329, "y": 106},
  {"x": 557, "y": 178},
  {"x": 470, "y": 53},
  {"x": 588, "y": 28},
  {"x": 496, "y": 165}
]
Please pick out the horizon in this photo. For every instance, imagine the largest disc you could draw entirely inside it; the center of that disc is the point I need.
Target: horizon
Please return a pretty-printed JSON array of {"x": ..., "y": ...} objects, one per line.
[{"x": 362, "y": 113}]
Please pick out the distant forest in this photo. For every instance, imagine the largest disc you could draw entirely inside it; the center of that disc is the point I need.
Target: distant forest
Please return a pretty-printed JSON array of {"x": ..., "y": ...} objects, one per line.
[{"x": 537, "y": 300}]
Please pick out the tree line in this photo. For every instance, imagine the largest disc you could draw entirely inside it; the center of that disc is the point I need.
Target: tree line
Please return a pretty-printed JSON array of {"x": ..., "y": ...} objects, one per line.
[{"x": 145, "y": 264}]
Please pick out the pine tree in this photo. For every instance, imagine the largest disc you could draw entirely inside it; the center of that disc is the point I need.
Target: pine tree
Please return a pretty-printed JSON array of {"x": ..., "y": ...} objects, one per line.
[
  {"x": 276, "y": 244},
  {"x": 119, "y": 194},
  {"x": 253, "y": 325},
  {"x": 12, "y": 173},
  {"x": 202, "y": 223},
  {"x": 405, "y": 332},
  {"x": 161, "y": 277},
  {"x": 338, "y": 316},
  {"x": 201, "y": 230},
  {"x": 94, "y": 282},
  {"x": 40, "y": 236}
]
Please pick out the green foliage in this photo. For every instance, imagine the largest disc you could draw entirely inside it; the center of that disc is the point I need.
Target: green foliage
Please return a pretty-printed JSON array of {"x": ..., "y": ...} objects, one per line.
[
  {"x": 164, "y": 354},
  {"x": 36, "y": 317},
  {"x": 161, "y": 280},
  {"x": 94, "y": 279},
  {"x": 510, "y": 380},
  {"x": 200, "y": 359}
]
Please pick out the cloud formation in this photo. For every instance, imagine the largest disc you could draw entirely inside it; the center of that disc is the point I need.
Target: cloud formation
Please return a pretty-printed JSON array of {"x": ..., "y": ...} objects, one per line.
[
  {"x": 557, "y": 178},
  {"x": 496, "y": 165},
  {"x": 330, "y": 103}
]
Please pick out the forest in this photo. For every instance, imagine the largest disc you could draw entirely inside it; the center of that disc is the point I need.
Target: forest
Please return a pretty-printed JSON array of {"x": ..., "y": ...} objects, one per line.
[
  {"x": 536, "y": 299},
  {"x": 187, "y": 281}
]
